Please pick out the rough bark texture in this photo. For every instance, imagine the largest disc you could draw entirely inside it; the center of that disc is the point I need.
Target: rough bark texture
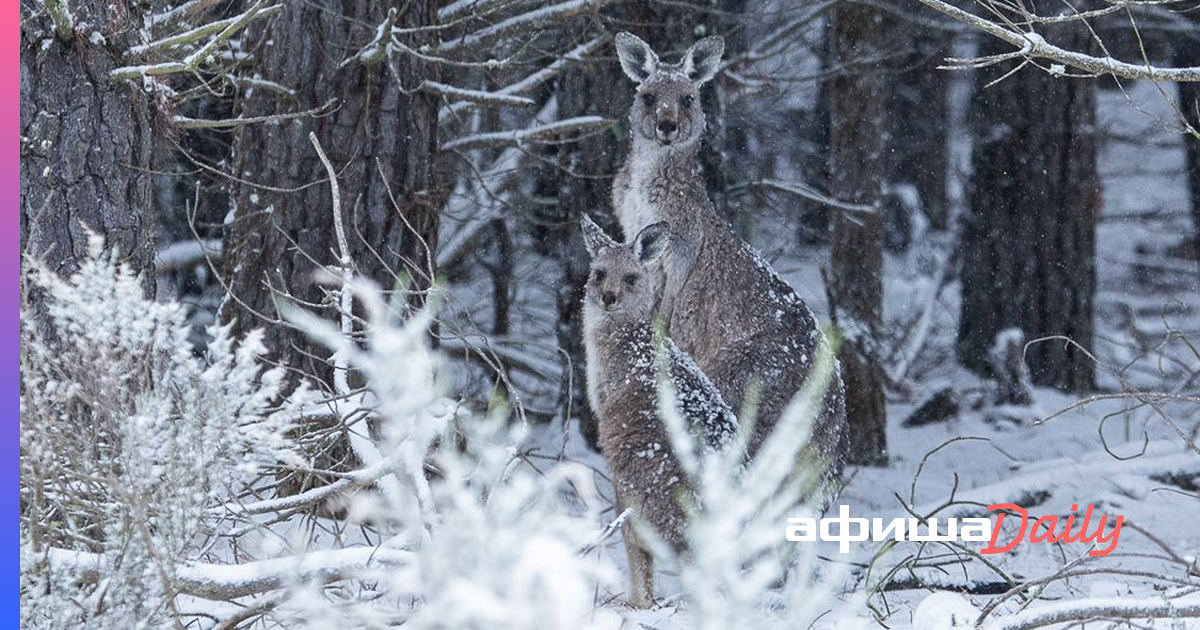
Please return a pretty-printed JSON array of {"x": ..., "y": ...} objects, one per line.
[
  {"x": 855, "y": 282},
  {"x": 1187, "y": 54},
  {"x": 598, "y": 157},
  {"x": 380, "y": 136},
  {"x": 1029, "y": 239},
  {"x": 86, "y": 145}
]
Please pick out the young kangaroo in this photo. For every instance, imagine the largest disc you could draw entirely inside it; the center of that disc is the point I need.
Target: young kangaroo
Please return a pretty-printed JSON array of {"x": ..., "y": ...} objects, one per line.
[
  {"x": 620, "y": 302},
  {"x": 724, "y": 305}
]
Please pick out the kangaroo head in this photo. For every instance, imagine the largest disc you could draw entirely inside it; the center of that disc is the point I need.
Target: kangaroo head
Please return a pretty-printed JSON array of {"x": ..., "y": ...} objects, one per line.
[
  {"x": 624, "y": 281},
  {"x": 666, "y": 107}
]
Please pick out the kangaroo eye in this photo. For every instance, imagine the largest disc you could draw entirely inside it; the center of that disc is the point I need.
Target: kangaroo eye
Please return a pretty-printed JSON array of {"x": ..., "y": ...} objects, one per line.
[
  {"x": 686, "y": 101},
  {"x": 599, "y": 275},
  {"x": 630, "y": 279},
  {"x": 648, "y": 99}
]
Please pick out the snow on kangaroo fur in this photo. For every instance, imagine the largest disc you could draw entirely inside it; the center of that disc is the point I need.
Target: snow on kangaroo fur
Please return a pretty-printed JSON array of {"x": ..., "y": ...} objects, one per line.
[
  {"x": 622, "y": 292},
  {"x": 723, "y": 304}
]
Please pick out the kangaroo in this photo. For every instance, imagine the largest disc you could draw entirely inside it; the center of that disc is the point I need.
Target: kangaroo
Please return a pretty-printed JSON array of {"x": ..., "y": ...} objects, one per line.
[
  {"x": 723, "y": 303},
  {"x": 620, "y": 300}
]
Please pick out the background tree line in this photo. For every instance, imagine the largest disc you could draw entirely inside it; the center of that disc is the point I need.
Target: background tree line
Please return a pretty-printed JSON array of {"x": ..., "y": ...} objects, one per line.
[{"x": 470, "y": 136}]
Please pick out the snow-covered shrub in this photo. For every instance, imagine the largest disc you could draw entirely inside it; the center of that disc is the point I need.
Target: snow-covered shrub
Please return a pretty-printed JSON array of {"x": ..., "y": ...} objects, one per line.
[
  {"x": 740, "y": 571},
  {"x": 127, "y": 438},
  {"x": 147, "y": 501},
  {"x": 494, "y": 541}
]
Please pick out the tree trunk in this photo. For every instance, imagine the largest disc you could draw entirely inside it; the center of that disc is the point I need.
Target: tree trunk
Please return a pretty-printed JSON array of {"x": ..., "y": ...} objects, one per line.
[
  {"x": 86, "y": 147},
  {"x": 1029, "y": 238},
  {"x": 855, "y": 281},
  {"x": 597, "y": 157},
  {"x": 916, "y": 121},
  {"x": 1187, "y": 54},
  {"x": 380, "y": 136}
]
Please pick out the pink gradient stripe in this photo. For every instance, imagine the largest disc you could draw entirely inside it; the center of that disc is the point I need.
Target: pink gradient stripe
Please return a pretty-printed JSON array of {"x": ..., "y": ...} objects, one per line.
[{"x": 10, "y": 182}]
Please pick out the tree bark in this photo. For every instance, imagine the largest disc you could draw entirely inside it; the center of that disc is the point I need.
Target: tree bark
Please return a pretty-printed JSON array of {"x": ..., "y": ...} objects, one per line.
[
  {"x": 86, "y": 146},
  {"x": 855, "y": 279},
  {"x": 381, "y": 137},
  {"x": 1029, "y": 238},
  {"x": 597, "y": 157},
  {"x": 1187, "y": 54},
  {"x": 916, "y": 121}
]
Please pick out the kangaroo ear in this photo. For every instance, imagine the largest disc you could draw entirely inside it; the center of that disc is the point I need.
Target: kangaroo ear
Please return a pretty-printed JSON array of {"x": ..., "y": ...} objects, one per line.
[
  {"x": 594, "y": 238},
  {"x": 703, "y": 59},
  {"x": 637, "y": 60},
  {"x": 651, "y": 242}
]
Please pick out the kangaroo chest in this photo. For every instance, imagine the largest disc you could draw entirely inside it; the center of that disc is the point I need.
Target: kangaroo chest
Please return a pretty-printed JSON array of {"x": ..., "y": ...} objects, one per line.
[{"x": 638, "y": 207}]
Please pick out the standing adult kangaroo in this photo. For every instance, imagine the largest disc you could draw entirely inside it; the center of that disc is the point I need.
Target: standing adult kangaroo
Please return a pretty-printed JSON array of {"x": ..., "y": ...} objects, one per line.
[{"x": 723, "y": 303}]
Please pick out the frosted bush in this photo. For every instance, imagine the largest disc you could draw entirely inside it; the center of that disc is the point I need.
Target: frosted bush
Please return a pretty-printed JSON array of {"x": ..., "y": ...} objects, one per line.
[
  {"x": 145, "y": 465},
  {"x": 495, "y": 542},
  {"x": 127, "y": 438}
]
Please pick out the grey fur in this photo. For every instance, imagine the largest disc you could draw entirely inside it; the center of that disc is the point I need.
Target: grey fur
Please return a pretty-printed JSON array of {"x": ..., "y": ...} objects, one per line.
[
  {"x": 724, "y": 305},
  {"x": 622, "y": 390}
]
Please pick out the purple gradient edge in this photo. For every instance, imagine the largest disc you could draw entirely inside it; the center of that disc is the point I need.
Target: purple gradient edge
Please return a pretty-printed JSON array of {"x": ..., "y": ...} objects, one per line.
[{"x": 10, "y": 611}]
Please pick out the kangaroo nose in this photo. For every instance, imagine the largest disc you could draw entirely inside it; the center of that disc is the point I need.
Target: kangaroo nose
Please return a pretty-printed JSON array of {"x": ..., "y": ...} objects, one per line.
[
  {"x": 608, "y": 298},
  {"x": 667, "y": 126}
]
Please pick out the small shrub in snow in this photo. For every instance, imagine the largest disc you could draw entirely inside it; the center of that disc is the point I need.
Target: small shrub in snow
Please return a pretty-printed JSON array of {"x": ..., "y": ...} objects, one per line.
[
  {"x": 127, "y": 438},
  {"x": 494, "y": 541}
]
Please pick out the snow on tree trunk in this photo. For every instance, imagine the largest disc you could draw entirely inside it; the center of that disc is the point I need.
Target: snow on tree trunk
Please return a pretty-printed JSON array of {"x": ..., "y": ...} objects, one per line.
[
  {"x": 1029, "y": 241},
  {"x": 855, "y": 280},
  {"x": 86, "y": 143},
  {"x": 377, "y": 129}
]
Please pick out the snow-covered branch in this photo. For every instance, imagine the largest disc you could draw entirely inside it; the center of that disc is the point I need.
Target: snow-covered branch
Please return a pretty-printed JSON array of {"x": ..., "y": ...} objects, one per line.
[
  {"x": 60, "y": 14},
  {"x": 185, "y": 254},
  {"x": 223, "y": 29},
  {"x": 231, "y": 581},
  {"x": 1095, "y": 608},
  {"x": 521, "y": 137},
  {"x": 475, "y": 96},
  {"x": 1031, "y": 45},
  {"x": 532, "y": 81},
  {"x": 524, "y": 23}
]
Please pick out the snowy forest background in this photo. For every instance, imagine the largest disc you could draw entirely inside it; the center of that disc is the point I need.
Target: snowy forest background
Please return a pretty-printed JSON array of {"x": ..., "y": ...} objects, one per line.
[{"x": 1000, "y": 198}]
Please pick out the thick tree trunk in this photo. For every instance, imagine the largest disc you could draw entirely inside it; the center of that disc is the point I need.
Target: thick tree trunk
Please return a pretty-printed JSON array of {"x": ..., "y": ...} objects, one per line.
[
  {"x": 380, "y": 136},
  {"x": 855, "y": 281},
  {"x": 916, "y": 121},
  {"x": 1029, "y": 238},
  {"x": 86, "y": 147},
  {"x": 1187, "y": 54},
  {"x": 596, "y": 156}
]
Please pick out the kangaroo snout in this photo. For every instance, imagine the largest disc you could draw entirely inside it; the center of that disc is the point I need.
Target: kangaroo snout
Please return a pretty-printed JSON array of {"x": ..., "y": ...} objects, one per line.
[{"x": 667, "y": 129}]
